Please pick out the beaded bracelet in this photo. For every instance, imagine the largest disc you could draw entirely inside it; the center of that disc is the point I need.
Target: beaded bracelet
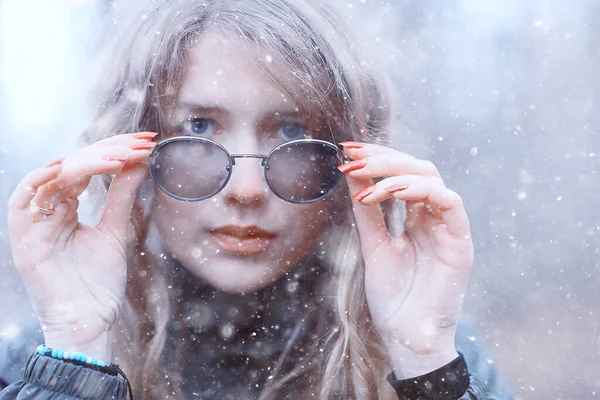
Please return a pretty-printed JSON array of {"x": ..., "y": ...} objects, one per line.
[
  {"x": 65, "y": 355},
  {"x": 82, "y": 359}
]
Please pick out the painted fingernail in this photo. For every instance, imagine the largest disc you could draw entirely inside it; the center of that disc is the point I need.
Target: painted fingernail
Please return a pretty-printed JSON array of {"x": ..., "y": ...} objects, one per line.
[
  {"x": 352, "y": 166},
  {"x": 396, "y": 188},
  {"x": 142, "y": 146},
  {"x": 54, "y": 162},
  {"x": 116, "y": 158},
  {"x": 360, "y": 196},
  {"x": 352, "y": 145},
  {"x": 144, "y": 135}
]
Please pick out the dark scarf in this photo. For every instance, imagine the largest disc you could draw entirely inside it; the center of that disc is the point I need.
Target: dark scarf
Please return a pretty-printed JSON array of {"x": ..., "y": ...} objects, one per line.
[{"x": 233, "y": 341}]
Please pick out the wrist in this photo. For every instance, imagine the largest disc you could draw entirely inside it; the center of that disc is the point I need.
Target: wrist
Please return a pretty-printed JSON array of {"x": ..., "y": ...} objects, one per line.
[
  {"x": 407, "y": 364},
  {"x": 99, "y": 347}
]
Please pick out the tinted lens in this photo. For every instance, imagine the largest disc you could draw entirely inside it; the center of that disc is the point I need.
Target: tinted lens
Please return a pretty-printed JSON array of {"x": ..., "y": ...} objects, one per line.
[
  {"x": 190, "y": 168},
  {"x": 304, "y": 171}
]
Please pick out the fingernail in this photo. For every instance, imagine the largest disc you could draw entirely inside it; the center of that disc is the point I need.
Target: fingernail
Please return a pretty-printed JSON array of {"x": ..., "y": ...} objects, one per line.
[
  {"x": 144, "y": 135},
  {"x": 352, "y": 145},
  {"x": 396, "y": 188},
  {"x": 54, "y": 162},
  {"x": 142, "y": 146},
  {"x": 352, "y": 166},
  {"x": 360, "y": 196},
  {"x": 116, "y": 158}
]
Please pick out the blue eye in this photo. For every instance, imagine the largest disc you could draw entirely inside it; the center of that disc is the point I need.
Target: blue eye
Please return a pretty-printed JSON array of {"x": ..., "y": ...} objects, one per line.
[
  {"x": 199, "y": 126},
  {"x": 292, "y": 130}
]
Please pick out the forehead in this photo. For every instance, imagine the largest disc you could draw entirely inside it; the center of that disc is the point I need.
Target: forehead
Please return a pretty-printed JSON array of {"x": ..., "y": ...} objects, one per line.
[{"x": 223, "y": 72}]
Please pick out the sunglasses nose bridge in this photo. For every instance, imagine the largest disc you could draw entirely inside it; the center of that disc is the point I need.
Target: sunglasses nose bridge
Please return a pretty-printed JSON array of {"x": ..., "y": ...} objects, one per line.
[{"x": 261, "y": 157}]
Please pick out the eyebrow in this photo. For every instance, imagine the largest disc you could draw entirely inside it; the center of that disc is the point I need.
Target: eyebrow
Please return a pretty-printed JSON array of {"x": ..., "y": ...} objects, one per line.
[
  {"x": 202, "y": 108},
  {"x": 216, "y": 110}
]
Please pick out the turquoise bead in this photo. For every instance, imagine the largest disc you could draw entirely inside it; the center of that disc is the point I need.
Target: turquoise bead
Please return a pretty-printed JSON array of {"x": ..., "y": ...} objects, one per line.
[{"x": 69, "y": 355}]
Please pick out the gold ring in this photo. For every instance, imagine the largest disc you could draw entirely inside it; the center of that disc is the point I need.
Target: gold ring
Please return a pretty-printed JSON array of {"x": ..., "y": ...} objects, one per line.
[{"x": 42, "y": 210}]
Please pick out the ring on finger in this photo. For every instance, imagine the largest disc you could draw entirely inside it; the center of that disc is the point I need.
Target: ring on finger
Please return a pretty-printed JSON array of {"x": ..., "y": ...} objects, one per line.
[{"x": 41, "y": 210}]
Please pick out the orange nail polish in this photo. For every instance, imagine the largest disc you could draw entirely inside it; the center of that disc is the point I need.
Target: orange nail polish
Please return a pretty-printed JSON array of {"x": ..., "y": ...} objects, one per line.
[
  {"x": 116, "y": 158},
  {"x": 352, "y": 166},
  {"x": 142, "y": 146},
  {"x": 144, "y": 135},
  {"x": 360, "y": 196},
  {"x": 396, "y": 188},
  {"x": 352, "y": 145},
  {"x": 54, "y": 162}
]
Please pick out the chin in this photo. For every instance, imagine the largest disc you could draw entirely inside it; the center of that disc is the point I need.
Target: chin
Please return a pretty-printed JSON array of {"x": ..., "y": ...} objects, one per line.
[{"x": 236, "y": 276}]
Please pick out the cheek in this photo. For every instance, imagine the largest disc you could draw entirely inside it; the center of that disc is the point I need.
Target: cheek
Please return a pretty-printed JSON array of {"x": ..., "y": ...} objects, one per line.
[{"x": 174, "y": 218}]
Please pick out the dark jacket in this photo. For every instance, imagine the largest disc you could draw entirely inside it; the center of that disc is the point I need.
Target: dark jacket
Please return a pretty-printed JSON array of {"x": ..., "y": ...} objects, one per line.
[{"x": 24, "y": 375}]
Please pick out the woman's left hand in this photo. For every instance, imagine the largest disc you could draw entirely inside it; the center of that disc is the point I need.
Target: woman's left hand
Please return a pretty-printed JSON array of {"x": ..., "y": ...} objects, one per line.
[{"x": 415, "y": 283}]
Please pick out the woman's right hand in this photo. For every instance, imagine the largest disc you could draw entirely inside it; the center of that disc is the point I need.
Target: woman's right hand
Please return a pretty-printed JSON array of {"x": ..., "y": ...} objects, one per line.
[{"x": 75, "y": 275}]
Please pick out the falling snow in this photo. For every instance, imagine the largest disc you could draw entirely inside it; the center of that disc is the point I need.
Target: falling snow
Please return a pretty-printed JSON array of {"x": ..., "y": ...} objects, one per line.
[{"x": 501, "y": 96}]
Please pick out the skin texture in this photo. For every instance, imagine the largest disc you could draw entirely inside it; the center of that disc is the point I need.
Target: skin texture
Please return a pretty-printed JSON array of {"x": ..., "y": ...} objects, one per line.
[
  {"x": 415, "y": 283},
  {"x": 245, "y": 112}
]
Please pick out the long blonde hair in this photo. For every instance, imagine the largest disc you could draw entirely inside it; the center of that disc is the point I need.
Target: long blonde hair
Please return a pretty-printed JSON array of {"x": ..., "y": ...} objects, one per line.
[{"x": 311, "y": 57}]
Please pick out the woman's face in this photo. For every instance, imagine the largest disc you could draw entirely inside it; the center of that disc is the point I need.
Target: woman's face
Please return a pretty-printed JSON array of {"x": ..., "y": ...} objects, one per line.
[{"x": 245, "y": 237}]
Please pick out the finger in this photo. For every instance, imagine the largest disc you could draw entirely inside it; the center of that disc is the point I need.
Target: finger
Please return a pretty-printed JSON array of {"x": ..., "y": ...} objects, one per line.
[
  {"x": 57, "y": 215},
  {"x": 417, "y": 188},
  {"x": 393, "y": 164},
  {"x": 370, "y": 221},
  {"x": 73, "y": 180},
  {"x": 120, "y": 199},
  {"x": 133, "y": 153},
  {"x": 124, "y": 139},
  {"x": 415, "y": 215},
  {"x": 78, "y": 170},
  {"x": 71, "y": 205},
  {"x": 28, "y": 187},
  {"x": 59, "y": 225},
  {"x": 360, "y": 150}
]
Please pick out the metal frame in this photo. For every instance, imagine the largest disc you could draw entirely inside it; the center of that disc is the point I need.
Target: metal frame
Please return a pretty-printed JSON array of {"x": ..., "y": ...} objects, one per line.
[{"x": 233, "y": 157}]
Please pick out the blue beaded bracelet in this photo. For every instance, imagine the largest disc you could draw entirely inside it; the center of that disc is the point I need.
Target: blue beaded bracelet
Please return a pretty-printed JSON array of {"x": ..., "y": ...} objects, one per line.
[{"x": 65, "y": 355}]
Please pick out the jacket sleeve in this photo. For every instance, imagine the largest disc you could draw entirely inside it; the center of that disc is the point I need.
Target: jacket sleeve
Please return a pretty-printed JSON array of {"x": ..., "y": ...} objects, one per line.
[
  {"x": 25, "y": 376},
  {"x": 49, "y": 378},
  {"x": 471, "y": 376}
]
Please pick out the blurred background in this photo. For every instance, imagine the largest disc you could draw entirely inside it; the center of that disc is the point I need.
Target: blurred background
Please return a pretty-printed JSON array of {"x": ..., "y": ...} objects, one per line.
[{"x": 500, "y": 94}]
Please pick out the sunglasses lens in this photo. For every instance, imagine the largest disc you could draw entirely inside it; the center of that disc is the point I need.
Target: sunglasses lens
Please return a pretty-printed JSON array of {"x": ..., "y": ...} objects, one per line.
[
  {"x": 303, "y": 172},
  {"x": 190, "y": 169}
]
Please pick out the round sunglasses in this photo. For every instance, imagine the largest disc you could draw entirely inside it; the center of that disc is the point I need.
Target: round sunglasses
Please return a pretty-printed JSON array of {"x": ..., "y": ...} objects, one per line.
[{"x": 190, "y": 168}]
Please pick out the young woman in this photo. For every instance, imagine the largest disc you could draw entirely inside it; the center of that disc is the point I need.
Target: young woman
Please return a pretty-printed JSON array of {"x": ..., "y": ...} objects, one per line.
[{"x": 260, "y": 257}]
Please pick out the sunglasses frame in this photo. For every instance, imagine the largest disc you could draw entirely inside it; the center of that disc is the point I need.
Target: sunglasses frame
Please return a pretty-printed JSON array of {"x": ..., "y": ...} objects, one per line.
[{"x": 233, "y": 157}]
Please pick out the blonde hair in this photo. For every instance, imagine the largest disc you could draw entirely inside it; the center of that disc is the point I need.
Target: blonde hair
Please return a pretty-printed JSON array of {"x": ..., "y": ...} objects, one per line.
[{"x": 312, "y": 58}]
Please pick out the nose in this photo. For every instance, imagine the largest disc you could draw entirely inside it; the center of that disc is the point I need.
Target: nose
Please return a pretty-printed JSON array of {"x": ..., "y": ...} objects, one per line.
[{"x": 247, "y": 185}]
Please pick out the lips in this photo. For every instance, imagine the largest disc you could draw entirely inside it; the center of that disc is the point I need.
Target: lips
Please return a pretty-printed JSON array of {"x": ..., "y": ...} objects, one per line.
[{"x": 242, "y": 239}]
